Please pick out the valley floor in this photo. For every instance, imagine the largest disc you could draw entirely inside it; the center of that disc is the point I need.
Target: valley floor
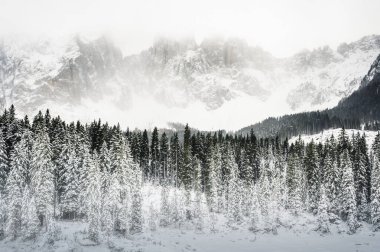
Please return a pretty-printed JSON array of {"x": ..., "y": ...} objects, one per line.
[{"x": 73, "y": 238}]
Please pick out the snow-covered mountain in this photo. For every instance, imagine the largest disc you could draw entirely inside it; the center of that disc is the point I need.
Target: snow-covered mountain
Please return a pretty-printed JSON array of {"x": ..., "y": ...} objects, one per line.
[{"x": 205, "y": 84}]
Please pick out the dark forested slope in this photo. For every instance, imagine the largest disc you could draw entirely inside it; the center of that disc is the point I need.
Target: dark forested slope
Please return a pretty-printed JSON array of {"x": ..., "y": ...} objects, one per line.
[{"x": 361, "y": 107}]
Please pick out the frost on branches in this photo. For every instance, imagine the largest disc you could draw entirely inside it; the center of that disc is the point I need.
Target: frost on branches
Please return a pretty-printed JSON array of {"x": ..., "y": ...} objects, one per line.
[{"x": 125, "y": 182}]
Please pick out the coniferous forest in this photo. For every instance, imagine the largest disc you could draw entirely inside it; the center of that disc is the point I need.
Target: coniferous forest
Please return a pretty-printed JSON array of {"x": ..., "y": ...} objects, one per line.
[{"x": 52, "y": 171}]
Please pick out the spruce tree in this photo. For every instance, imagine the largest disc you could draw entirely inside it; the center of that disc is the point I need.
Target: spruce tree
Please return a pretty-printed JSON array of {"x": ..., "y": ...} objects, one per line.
[
  {"x": 331, "y": 181},
  {"x": 233, "y": 199},
  {"x": 164, "y": 157},
  {"x": 111, "y": 206},
  {"x": 155, "y": 155},
  {"x": 255, "y": 215},
  {"x": 165, "y": 210},
  {"x": 4, "y": 163},
  {"x": 348, "y": 200},
  {"x": 69, "y": 200},
  {"x": 42, "y": 179},
  {"x": 323, "y": 216},
  {"x": 185, "y": 171},
  {"x": 375, "y": 195},
  {"x": 213, "y": 187},
  {"x": 14, "y": 188},
  {"x": 30, "y": 224},
  {"x": 93, "y": 197},
  {"x": 136, "y": 207},
  {"x": 313, "y": 176},
  {"x": 144, "y": 154}
]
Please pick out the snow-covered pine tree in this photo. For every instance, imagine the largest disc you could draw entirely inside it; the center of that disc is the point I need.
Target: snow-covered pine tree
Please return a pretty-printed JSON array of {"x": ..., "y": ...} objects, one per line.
[
  {"x": 122, "y": 167},
  {"x": 185, "y": 172},
  {"x": 164, "y": 209},
  {"x": 217, "y": 156},
  {"x": 14, "y": 188},
  {"x": 105, "y": 166},
  {"x": 16, "y": 181},
  {"x": 197, "y": 213},
  {"x": 2, "y": 215},
  {"x": 264, "y": 196},
  {"x": 348, "y": 200},
  {"x": 331, "y": 180},
  {"x": 177, "y": 206},
  {"x": 375, "y": 194},
  {"x": 136, "y": 206},
  {"x": 155, "y": 155},
  {"x": 105, "y": 175},
  {"x": 30, "y": 224},
  {"x": 111, "y": 206},
  {"x": 313, "y": 176},
  {"x": 93, "y": 196},
  {"x": 364, "y": 208},
  {"x": 233, "y": 198},
  {"x": 144, "y": 154},
  {"x": 4, "y": 163},
  {"x": 164, "y": 157},
  {"x": 255, "y": 215},
  {"x": 246, "y": 171},
  {"x": 69, "y": 200},
  {"x": 213, "y": 186},
  {"x": 85, "y": 163},
  {"x": 42, "y": 179},
  {"x": 175, "y": 159},
  {"x": 293, "y": 178},
  {"x": 323, "y": 216}
]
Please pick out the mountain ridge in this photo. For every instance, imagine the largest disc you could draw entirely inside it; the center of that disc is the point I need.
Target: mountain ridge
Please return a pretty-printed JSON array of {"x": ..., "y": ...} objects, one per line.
[{"x": 213, "y": 78}]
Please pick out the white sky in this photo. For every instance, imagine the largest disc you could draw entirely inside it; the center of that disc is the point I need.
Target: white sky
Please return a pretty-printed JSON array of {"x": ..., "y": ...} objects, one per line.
[{"x": 282, "y": 27}]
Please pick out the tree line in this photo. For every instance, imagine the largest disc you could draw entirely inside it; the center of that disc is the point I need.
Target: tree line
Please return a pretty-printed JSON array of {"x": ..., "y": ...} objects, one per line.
[{"x": 51, "y": 170}]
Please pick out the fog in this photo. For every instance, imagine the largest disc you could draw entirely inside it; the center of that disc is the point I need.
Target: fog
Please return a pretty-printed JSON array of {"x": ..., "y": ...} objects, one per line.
[{"x": 282, "y": 27}]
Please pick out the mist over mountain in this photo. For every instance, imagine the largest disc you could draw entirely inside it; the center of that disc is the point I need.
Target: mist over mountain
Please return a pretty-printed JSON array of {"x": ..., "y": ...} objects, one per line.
[
  {"x": 205, "y": 84},
  {"x": 357, "y": 111}
]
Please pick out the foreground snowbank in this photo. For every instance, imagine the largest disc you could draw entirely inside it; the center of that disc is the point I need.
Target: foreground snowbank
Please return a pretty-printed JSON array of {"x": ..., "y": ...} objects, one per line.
[
  {"x": 294, "y": 233},
  {"x": 72, "y": 238}
]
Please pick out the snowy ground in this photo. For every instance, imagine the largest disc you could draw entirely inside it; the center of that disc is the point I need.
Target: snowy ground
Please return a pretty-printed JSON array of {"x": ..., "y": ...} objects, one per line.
[
  {"x": 166, "y": 240},
  {"x": 324, "y": 135},
  {"x": 294, "y": 234}
]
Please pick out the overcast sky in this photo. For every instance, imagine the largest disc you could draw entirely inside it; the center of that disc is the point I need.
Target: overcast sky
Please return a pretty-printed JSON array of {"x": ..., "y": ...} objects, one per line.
[{"x": 279, "y": 26}]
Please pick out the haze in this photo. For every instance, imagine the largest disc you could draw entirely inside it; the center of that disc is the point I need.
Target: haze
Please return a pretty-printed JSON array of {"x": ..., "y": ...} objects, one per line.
[{"x": 281, "y": 27}]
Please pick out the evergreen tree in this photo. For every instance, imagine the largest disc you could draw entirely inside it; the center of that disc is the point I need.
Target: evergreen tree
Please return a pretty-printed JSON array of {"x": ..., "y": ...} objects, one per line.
[
  {"x": 136, "y": 208},
  {"x": 111, "y": 206},
  {"x": 42, "y": 179},
  {"x": 331, "y": 180},
  {"x": 93, "y": 196},
  {"x": 323, "y": 217},
  {"x": 30, "y": 224},
  {"x": 69, "y": 201},
  {"x": 155, "y": 154},
  {"x": 175, "y": 159},
  {"x": 144, "y": 154},
  {"x": 197, "y": 213},
  {"x": 186, "y": 167},
  {"x": 165, "y": 210},
  {"x": 313, "y": 176},
  {"x": 255, "y": 215},
  {"x": 164, "y": 157},
  {"x": 4, "y": 163},
  {"x": 233, "y": 201},
  {"x": 375, "y": 195},
  {"x": 348, "y": 201},
  {"x": 213, "y": 187},
  {"x": 14, "y": 186}
]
